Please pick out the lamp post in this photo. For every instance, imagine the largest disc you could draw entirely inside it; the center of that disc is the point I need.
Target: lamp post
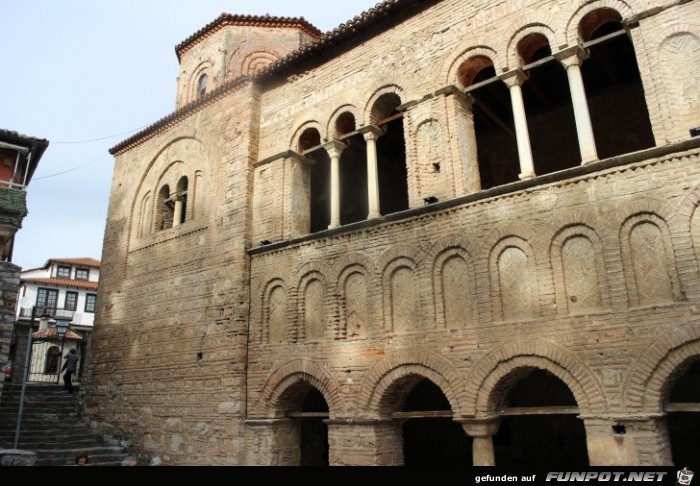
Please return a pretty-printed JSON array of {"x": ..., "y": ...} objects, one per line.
[
  {"x": 43, "y": 313},
  {"x": 63, "y": 319}
]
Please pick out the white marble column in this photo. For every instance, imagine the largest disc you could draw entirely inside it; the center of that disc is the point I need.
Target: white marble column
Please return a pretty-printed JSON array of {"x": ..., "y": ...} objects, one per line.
[
  {"x": 571, "y": 58},
  {"x": 177, "y": 210},
  {"x": 482, "y": 432},
  {"x": 371, "y": 133},
  {"x": 514, "y": 80},
  {"x": 335, "y": 149}
]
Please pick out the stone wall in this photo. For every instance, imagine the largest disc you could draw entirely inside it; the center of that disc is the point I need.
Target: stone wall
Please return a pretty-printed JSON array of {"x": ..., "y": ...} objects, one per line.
[{"x": 9, "y": 284}]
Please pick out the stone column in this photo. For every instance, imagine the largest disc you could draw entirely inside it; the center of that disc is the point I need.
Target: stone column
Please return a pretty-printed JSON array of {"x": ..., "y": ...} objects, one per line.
[
  {"x": 357, "y": 442},
  {"x": 335, "y": 149},
  {"x": 627, "y": 440},
  {"x": 571, "y": 58},
  {"x": 273, "y": 442},
  {"x": 177, "y": 210},
  {"x": 371, "y": 133},
  {"x": 514, "y": 80},
  {"x": 482, "y": 432}
]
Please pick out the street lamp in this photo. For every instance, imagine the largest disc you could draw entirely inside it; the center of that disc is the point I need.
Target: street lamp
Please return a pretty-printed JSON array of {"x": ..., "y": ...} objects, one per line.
[{"x": 63, "y": 319}]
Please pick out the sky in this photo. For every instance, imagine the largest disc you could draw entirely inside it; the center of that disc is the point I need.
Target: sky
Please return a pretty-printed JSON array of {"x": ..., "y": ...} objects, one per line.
[{"x": 87, "y": 74}]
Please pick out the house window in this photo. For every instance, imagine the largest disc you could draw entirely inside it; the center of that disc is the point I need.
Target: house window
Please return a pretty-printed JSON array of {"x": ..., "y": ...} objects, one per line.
[
  {"x": 71, "y": 301},
  {"x": 90, "y": 300},
  {"x": 82, "y": 273},
  {"x": 63, "y": 272},
  {"x": 46, "y": 298}
]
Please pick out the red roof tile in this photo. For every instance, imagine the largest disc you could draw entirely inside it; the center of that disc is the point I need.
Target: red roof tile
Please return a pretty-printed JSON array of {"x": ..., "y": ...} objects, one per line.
[
  {"x": 63, "y": 282},
  {"x": 83, "y": 261},
  {"x": 52, "y": 333}
]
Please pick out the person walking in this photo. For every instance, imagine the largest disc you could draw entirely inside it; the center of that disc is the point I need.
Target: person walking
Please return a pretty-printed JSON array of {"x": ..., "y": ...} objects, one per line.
[{"x": 70, "y": 367}]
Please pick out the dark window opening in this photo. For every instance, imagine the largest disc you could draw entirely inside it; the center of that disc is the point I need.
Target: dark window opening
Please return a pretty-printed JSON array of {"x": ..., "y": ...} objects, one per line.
[
  {"x": 545, "y": 439},
  {"x": 320, "y": 182},
  {"x": 314, "y": 432},
  {"x": 549, "y": 109},
  {"x": 165, "y": 209},
  {"x": 433, "y": 441},
  {"x": 614, "y": 89},
  {"x": 683, "y": 416},
  {"x": 182, "y": 192},
  {"x": 496, "y": 144},
  {"x": 52, "y": 361},
  {"x": 353, "y": 181},
  {"x": 391, "y": 156},
  {"x": 82, "y": 274}
]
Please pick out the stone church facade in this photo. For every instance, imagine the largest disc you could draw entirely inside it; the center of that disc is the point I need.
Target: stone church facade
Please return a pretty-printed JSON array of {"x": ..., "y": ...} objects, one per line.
[{"x": 446, "y": 232}]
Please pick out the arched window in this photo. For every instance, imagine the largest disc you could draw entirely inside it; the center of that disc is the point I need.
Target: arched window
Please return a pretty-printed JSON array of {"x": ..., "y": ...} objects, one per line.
[
  {"x": 320, "y": 179},
  {"x": 494, "y": 128},
  {"x": 165, "y": 209},
  {"x": 613, "y": 84},
  {"x": 391, "y": 155},
  {"x": 180, "y": 211},
  {"x": 53, "y": 359},
  {"x": 202, "y": 85}
]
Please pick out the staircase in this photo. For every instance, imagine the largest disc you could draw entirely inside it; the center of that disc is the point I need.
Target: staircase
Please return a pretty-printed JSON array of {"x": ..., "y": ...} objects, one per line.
[{"x": 52, "y": 428}]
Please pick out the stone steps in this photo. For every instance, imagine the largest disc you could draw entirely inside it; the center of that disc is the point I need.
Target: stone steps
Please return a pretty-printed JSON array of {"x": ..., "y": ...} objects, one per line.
[{"x": 51, "y": 427}]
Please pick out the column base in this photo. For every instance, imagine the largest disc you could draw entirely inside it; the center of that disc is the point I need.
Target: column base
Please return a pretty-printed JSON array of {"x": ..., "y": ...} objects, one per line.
[{"x": 525, "y": 177}]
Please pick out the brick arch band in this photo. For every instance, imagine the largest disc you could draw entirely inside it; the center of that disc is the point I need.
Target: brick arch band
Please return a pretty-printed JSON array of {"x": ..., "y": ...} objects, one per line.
[
  {"x": 483, "y": 383},
  {"x": 292, "y": 373},
  {"x": 389, "y": 371},
  {"x": 651, "y": 375}
]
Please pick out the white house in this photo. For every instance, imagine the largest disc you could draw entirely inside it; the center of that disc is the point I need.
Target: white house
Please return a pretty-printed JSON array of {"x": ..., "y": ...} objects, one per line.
[{"x": 61, "y": 287}]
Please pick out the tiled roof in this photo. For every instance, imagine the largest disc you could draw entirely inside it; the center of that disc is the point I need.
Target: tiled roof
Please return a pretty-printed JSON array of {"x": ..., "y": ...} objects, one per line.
[
  {"x": 52, "y": 333},
  {"x": 20, "y": 139},
  {"x": 245, "y": 20},
  {"x": 329, "y": 40},
  {"x": 63, "y": 282},
  {"x": 79, "y": 262}
]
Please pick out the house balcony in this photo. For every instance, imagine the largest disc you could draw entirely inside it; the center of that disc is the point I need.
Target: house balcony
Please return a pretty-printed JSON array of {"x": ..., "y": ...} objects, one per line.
[{"x": 13, "y": 209}]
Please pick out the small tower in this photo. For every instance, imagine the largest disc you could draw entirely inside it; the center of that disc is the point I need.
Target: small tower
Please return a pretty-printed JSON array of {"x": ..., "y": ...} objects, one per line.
[{"x": 233, "y": 46}]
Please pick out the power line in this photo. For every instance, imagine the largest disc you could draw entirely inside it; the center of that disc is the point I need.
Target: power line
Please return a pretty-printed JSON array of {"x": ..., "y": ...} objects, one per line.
[
  {"x": 101, "y": 138},
  {"x": 69, "y": 170}
]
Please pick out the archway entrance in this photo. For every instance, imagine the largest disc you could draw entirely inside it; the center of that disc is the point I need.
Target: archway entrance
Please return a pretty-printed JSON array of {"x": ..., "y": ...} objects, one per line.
[
  {"x": 539, "y": 425},
  {"x": 310, "y": 409},
  {"x": 430, "y": 436},
  {"x": 683, "y": 416}
]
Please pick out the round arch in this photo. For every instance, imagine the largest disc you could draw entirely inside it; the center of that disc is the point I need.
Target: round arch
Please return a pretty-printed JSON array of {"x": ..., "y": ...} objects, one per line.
[{"x": 484, "y": 388}]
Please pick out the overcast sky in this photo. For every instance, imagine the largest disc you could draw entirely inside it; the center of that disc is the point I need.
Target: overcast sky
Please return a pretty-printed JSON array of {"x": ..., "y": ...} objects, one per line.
[{"x": 85, "y": 75}]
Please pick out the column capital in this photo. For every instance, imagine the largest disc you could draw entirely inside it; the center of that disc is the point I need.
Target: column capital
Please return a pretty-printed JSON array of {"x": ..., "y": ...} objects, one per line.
[
  {"x": 480, "y": 427},
  {"x": 371, "y": 132},
  {"x": 572, "y": 55},
  {"x": 514, "y": 77},
  {"x": 334, "y": 147}
]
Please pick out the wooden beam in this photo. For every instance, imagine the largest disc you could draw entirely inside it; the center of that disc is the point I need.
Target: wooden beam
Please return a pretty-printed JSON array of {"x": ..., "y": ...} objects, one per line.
[
  {"x": 389, "y": 119},
  {"x": 423, "y": 414},
  {"x": 518, "y": 411},
  {"x": 682, "y": 407},
  {"x": 297, "y": 415}
]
